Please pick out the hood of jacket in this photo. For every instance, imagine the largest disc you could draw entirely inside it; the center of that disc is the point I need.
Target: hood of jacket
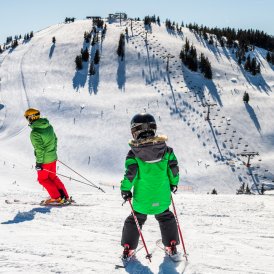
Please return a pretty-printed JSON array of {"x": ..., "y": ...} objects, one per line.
[
  {"x": 150, "y": 149},
  {"x": 40, "y": 123}
]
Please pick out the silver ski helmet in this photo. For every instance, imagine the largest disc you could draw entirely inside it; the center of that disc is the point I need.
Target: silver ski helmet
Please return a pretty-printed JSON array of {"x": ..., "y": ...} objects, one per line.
[{"x": 143, "y": 125}]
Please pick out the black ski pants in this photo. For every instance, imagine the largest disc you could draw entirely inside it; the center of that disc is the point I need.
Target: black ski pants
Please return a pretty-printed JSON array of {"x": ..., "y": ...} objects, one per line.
[{"x": 167, "y": 225}]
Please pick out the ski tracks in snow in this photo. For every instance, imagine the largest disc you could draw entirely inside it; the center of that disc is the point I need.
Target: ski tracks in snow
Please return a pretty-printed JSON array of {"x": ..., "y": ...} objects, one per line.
[
  {"x": 15, "y": 97},
  {"x": 223, "y": 234},
  {"x": 72, "y": 239}
]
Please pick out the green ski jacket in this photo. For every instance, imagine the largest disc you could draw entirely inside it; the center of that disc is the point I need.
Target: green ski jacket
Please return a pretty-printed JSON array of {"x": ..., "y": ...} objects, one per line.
[
  {"x": 44, "y": 141},
  {"x": 151, "y": 167}
]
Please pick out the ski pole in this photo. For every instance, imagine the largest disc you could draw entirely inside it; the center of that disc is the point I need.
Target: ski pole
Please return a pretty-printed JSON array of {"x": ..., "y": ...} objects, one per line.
[
  {"x": 179, "y": 229},
  {"x": 148, "y": 256},
  {"x": 81, "y": 176},
  {"x": 68, "y": 177}
]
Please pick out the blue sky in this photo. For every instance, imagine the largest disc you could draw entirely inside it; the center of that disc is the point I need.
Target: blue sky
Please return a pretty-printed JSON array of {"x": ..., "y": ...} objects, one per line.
[{"x": 22, "y": 16}]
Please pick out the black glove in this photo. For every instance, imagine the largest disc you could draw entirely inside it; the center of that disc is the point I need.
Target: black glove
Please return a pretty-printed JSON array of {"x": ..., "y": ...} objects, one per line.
[
  {"x": 126, "y": 194},
  {"x": 173, "y": 188},
  {"x": 38, "y": 167}
]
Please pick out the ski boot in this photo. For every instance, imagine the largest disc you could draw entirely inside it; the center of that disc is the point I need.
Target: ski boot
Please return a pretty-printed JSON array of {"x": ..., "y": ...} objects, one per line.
[
  {"x": 172, "y": 249},
  {"x": 52, "y": 201},
  {"x": 127, "y": 253},
  {"x": 172, "y": 252}
]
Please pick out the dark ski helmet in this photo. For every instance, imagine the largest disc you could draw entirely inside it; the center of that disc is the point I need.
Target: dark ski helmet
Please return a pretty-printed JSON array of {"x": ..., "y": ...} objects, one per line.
[
  {"x": 32, "y": 114},
  {"x": 143, "y": 125}
]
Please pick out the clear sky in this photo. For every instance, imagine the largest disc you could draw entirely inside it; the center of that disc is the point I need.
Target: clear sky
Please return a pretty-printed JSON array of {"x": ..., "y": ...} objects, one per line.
[{"x": 22, "y": 16}]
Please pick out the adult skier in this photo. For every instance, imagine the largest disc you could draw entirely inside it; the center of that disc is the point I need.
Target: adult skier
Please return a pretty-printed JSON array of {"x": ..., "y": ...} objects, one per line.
[
  {"x": 44, "y": 142},
  {"x": 152, "y": 171}
]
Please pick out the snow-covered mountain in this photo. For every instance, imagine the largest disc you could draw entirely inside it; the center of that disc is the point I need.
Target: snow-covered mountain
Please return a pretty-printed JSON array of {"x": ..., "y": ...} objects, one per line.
[{"x": 91, "y": 117}]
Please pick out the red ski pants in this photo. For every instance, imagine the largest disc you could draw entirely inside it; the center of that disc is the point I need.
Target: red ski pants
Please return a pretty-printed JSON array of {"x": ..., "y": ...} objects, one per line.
[{"x": 50, "y": 181}]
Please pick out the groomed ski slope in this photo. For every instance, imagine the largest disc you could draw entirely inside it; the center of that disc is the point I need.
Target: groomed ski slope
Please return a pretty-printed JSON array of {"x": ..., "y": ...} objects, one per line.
[
  {"x": 91, "y": 115},
  {"x": 223, "y": 234}
]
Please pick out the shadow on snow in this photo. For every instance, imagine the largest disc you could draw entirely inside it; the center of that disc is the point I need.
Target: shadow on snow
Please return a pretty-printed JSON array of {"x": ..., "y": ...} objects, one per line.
[
  {"x": 197, "y": 84},
  {"x": 80, "y": 76},
  {"x": 93, "y": 82},
  {"x": 253, "y": 116},
  {"x": 121, "y": 74},
  {"x": 27, "y": 216},
  {"x": 51, "y": 50}
]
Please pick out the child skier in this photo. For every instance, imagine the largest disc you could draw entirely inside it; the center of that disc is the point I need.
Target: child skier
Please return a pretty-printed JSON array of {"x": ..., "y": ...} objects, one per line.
[
  {"x": 44, "y": 142},
  {"x": 152, "y": 170}
]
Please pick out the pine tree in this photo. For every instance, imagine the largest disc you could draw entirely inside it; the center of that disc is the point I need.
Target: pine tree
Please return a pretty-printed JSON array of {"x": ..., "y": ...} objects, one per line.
[
  {"x": 87, "y": 37},
  {"x": 85, "y": 55},
  {"x": 148, "y": 20},
  {"x": 208, "y": 70},
  {"x": 168, "y": 24},
  {"x": 205, "y": 36},
  {"x": 214, "y": 191},
  {"x": 253, "y": 66},
  {"x": 247, "y": 65},
  {"x": 222, "y": 43},
  {"x": 187, "y": 47},
  {"x": 268, "y": 57},
  {"x": 192, "y": 60},
  {"x": 202, "y": 63},
  {"x": 210, "y": 42},
  {"x": 246, "y": 97},
  {"x": 78, "y": 62},
  {"x": 205, "y": 67},
  {"x": 14, "y": 44},
  {"x": 97, "y": 57},
  {"x": 182, "y": 55},
  {"x": 121, "y": 46},
  {"x": 158, "y": 20},
  {"x": 229, "y": 42},
  {"x": 9, "y": 39}
]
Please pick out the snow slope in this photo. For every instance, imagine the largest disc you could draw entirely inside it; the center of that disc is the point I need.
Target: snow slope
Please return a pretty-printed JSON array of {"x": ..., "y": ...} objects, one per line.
[
  {"x": 84, "y": 110},
  {"x": 91, "y": 116},
  {"x": 223, "y": 234}
]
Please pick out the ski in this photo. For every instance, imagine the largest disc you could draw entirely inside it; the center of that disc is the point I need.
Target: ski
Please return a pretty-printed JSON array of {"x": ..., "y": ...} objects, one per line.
[
  {"x": 129, "y": 259},
  {"x": 175, "y": 258},
  {"x": 19, "y": 202},
  {"x": 134, "y": 258},
  {"x": 65, "y": 203},
  {"x": 125, "y": 262}
]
